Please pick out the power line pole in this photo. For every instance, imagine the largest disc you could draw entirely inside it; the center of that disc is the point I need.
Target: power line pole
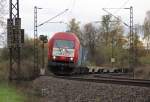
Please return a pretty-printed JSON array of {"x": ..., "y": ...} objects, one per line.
[
  {"x": 15, "y": 39},
  {"x": 36, "y": 40},
  {"x": 132, "y": 52},
  {"x": 131, "y": 40},
  {"x": 36, "y": 58}
]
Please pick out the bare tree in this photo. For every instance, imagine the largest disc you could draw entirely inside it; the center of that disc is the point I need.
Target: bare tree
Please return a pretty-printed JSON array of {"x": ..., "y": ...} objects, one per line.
[
  {"x": 3, "y": 12},
  {"x": 147, "y": 30},
  {"x": 106, "y": 28},
  {"x": 75, "y": 28},
  {"x": 111, "y": 29},
  {"x": 2, "y": 22},
  {"x": 91, "y": 38},
  {"x": 117, "y": 33}
]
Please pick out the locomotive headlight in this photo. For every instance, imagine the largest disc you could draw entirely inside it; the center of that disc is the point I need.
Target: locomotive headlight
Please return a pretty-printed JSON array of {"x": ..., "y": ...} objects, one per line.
[
  {"x": 63, "y": 50},
  {"x": 54, "y": 57},
  {"x": 71, "y": 59}
]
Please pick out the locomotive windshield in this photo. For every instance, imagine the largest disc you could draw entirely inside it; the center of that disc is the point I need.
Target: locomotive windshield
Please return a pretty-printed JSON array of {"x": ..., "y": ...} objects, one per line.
[{"x": 64, "y": 44}]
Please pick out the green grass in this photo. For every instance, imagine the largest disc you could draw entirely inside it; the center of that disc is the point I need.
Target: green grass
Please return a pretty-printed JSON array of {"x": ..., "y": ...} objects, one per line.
[{"x": 10, "y": 94}]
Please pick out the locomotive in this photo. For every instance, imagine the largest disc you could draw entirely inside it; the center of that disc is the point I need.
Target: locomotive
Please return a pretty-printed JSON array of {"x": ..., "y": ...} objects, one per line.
[{"x": 65, "y": 54}]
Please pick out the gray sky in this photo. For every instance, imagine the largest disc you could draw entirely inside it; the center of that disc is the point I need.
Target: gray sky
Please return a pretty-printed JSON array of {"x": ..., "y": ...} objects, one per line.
[{"x": 83, "y": 10}]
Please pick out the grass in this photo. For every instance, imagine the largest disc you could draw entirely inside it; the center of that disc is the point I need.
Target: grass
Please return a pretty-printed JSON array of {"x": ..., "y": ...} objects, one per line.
[
  {"x": 4, "y": 70},
  {"x": 9, "y": 93}
]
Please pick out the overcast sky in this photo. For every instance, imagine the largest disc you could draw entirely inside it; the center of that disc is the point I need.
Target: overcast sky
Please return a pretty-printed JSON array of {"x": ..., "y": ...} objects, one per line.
[{"x": 83, "y": 10}]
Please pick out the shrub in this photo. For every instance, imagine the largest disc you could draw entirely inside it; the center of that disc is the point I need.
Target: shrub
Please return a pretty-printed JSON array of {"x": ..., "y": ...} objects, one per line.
[{"x": 144, "y": 60}]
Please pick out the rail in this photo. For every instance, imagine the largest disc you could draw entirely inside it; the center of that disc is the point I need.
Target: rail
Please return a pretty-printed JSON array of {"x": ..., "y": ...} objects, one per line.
[{"x": 108, "y": 80}]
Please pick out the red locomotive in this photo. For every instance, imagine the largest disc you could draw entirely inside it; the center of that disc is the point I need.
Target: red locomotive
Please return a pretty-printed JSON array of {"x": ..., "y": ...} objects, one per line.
[{"x": 64, "y": 53}]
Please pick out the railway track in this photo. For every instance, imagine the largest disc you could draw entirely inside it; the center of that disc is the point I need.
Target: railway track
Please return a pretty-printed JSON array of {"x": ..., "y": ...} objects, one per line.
[
  {"x": 115, "y": 75},
  {"x": 109, "y": 80}
]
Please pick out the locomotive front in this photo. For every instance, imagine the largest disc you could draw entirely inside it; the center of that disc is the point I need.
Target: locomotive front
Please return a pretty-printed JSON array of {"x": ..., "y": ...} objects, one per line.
[{"x": 63, "y": 53}]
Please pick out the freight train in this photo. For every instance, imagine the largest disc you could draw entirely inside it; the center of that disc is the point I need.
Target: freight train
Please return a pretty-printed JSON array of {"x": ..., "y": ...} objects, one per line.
[{"x": 65, "y": 54}]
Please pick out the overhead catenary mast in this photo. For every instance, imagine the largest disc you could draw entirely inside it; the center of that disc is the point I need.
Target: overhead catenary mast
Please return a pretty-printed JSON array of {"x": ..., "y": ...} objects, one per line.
[
  {"x": 15, "y": 39},
  {"x": 132, "y": 45},
  {"x": 36, "y": 25}
]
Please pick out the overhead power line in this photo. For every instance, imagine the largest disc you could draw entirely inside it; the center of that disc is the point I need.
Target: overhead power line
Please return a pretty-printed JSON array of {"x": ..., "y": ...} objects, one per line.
[
  {"x": 116, "y": 16},
  {"x": 123, "y": 5},
  {"x": 53, "y": 18}
]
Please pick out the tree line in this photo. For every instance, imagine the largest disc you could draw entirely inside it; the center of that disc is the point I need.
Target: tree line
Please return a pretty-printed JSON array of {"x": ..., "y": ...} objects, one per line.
[{"x": 107, "y": 40}]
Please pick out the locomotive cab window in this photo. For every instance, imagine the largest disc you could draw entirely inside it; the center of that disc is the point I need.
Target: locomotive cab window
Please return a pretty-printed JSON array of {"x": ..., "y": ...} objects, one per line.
[{"x": 64, "y": 44}]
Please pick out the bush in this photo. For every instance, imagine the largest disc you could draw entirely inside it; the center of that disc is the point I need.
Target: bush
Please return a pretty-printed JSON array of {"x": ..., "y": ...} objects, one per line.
[
  {"x": 104, "y": 55},
  {"x": 4, "y": 70},
  {"x": 144, "y": 60},
  {"x": 142, "y": 72},
  {"x": 4, "y": 55}
]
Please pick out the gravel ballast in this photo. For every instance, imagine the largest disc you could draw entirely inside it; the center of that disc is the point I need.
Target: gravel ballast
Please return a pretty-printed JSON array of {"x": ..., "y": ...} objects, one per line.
[{"x": 61, "y": 90}]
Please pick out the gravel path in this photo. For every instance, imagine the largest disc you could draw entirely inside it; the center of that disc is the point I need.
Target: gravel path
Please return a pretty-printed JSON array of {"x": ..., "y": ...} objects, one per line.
[{"x": 60, "y": 90}]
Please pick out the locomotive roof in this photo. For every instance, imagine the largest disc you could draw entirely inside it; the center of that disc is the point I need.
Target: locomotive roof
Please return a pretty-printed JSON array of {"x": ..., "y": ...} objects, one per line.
[{"x": 65, "y": 35}]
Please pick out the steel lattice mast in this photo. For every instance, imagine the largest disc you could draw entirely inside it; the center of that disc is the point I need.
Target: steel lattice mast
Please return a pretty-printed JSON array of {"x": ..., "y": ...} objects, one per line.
[
  {"x": 132, "y": 56},
  {"x": 15, "y": 39},
  {"x": 36, "y": 64},
  {"x": 36, "y": 42}
]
